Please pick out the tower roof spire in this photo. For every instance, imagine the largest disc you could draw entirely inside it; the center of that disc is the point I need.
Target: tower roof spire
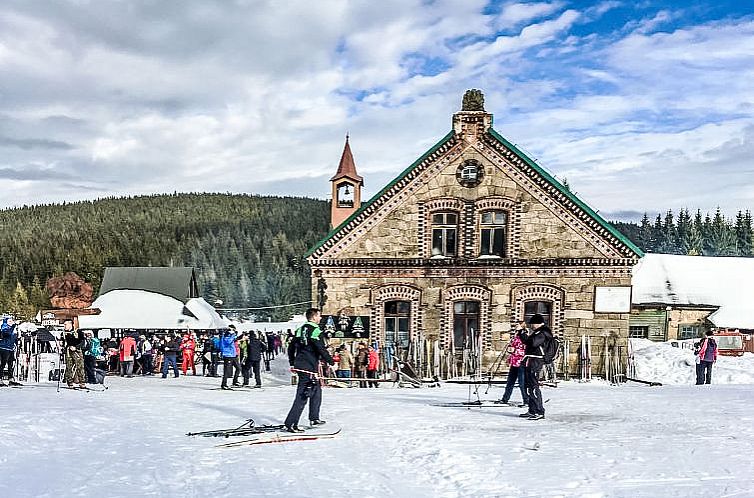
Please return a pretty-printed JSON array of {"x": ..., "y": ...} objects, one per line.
[{"x": 347, "y": 167}]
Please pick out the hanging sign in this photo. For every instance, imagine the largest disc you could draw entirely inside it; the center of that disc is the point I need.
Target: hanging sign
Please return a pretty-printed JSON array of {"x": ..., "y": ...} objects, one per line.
[{"x": 345, "y": 326}]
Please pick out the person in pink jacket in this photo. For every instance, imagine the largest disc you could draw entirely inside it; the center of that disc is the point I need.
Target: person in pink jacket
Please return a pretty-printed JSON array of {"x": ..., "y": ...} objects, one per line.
[
  {"x": 705, "y": 358},
  {"x": 516, "y": 351},
  {"x": 372, "y": 364}
]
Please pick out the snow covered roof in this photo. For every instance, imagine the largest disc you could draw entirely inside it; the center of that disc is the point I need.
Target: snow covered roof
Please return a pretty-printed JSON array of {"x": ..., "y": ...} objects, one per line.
[
  {"x": 698, "y": 280},
  {"x": 139, "y": 309},
  {"x": 295, "y": 322}
]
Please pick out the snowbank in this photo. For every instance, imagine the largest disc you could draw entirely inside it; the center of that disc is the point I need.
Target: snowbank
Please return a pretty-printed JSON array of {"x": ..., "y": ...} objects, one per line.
[{"x": 661, "y": 362}]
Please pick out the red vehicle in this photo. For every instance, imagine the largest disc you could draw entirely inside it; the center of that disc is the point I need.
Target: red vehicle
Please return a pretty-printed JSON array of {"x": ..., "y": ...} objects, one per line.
[{"x": 729, "y": 343}]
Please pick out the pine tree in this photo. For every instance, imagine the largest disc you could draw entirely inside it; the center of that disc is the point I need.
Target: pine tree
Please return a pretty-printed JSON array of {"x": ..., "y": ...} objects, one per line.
[
  {"x": 743, "y": 231},
  {"x": 722, "y": 240}
]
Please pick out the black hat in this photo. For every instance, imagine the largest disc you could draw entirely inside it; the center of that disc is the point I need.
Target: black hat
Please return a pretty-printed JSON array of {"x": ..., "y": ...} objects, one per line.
[{"x": 536, "y": 318}]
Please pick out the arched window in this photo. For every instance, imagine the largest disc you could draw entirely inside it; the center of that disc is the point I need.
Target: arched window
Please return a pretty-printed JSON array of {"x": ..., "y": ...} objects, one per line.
[
  {"x": 445, "y": 234},
  {"x": 493, "y": 231},
  {"x": 397, "y": 324},
  {"x": 466, "y": 325}
]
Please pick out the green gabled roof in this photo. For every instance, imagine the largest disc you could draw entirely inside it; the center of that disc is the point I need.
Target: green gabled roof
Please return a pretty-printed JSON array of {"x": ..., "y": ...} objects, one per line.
[
  {"x": 555, "y": 183},
  {"x": 380, "y": 193},
  {"x": 544, "y": 174}
]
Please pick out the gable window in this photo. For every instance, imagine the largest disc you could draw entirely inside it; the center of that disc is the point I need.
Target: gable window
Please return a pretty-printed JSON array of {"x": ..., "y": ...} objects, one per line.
[
  {"x": 444, "y": 234},
  {"x": 493, "y": 227}
]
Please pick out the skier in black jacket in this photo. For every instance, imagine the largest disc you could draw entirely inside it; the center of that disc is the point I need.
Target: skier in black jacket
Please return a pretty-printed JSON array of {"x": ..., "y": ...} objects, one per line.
[
  {"x": 534, "y": 338},
  {"x": 253, "y": 358},
  {"x": 305, "y": 352}
]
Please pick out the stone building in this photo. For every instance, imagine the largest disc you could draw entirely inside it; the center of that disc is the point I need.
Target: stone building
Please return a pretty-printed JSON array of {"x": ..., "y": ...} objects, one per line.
[{"x": 466, "y": 240}]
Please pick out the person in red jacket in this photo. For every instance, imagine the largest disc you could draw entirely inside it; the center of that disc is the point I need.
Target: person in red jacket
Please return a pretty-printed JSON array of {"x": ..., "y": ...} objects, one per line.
[
  {"x": 188, "y": 346},
  {"x": 372, "y": 364},
  {"x": 127, "y": 352}
]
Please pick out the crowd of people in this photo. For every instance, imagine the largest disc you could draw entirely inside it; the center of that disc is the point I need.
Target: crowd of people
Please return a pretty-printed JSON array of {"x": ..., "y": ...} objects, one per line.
[{"x": 240, "y": 354}]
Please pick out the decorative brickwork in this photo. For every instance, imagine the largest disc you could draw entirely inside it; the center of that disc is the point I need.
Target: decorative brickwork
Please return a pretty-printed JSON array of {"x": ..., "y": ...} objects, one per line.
[
  {"x": 540, "y": 292},
  {"x": 553, "y": 198},
  {"x": 466, "y": 292},
  {"x": 394, "y": 194}
]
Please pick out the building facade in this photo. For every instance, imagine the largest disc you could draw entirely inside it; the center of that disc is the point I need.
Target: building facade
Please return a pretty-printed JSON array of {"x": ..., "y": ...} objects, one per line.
[{"x": 468, "y": 239}]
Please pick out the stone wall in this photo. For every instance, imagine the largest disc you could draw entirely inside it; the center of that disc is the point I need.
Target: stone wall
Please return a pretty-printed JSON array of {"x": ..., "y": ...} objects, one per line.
[{"x": 431, "y": 315}]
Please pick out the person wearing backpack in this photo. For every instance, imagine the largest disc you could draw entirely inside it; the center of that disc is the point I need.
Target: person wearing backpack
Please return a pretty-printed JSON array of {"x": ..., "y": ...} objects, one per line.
[
  {"x": 706, "y": 357},
  {"x": 91, "y": 349},
  {"x": 537, "y": 339},
  {"x": 8, "y": 338},
  {"x": 305, "y": 352}
]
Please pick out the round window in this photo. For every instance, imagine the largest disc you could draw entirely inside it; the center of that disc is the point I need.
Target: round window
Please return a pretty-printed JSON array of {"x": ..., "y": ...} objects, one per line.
[{"x": 470, "y": 173}]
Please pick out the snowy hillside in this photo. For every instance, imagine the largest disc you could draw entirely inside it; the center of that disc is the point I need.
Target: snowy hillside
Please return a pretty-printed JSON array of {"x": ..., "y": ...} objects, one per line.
[
  {"x": 661, "y": 362},
  {"x": 631, "y": 441}
]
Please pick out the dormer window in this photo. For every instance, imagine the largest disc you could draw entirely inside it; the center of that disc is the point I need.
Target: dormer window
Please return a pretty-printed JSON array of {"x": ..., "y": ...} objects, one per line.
[
  {"x": 345, "y": 195},
  {"x": 444, "y": 234},
  {"x": 493, "y": 228}
]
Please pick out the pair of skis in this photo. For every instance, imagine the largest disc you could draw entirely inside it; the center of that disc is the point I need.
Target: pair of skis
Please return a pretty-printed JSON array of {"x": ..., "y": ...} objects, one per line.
[
  {"x": 277, "y": 437},
  {"x": 264, "y": 434}
]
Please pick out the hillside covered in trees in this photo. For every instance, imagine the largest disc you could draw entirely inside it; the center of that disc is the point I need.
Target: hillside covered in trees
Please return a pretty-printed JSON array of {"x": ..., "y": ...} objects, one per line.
[
  {"x": 697, "y": 235},
  {"x": 248, "y": 250}
]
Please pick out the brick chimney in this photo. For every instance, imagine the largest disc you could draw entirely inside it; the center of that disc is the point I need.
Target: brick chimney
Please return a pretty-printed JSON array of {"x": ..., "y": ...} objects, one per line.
[
  {"x": 346, "y": 188},
  {"x": 472, "y": 120}
]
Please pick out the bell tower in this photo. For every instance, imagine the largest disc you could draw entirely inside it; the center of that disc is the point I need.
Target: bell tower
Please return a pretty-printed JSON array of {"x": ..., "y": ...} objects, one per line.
[{"x": 346, "y": 189}]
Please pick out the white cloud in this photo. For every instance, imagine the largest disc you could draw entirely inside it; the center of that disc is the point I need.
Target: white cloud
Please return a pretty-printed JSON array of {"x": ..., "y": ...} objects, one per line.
[
  {"x": 257, "y": 96},
  {"x": 513, "y": 14}
]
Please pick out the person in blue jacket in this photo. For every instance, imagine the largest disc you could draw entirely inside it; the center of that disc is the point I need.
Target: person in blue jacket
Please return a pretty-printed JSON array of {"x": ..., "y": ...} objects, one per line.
[
  {"x": 230, "y": 357},
  {"x": 8, "y": 338}
]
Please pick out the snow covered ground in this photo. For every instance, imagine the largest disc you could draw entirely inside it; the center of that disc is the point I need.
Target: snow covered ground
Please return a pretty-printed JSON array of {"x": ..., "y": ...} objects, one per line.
[
  {"x": 661, "y": 362},
  {"x": 597, "y": 440}
]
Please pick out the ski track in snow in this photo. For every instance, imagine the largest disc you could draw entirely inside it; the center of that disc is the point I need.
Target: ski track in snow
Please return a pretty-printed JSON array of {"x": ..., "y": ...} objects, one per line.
[{"x": 597, "y": 441}]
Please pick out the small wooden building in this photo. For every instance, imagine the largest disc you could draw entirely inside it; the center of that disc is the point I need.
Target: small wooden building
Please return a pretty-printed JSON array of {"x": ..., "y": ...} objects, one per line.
[{"x": 681, "y": 297}]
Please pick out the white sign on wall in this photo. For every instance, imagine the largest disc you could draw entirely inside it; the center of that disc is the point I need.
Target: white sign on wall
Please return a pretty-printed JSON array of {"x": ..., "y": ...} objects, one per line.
[{"x": 612, "y": 299}]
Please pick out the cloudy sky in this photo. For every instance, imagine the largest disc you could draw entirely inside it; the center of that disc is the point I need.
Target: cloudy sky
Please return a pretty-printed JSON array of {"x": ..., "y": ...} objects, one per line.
[{"x": 641, "y": 105}]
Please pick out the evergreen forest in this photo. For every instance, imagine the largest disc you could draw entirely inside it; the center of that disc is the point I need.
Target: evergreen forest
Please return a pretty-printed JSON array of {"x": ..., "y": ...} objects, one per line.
[
  {"x": 248, "y": 250},
  {"x": 693, "y": 235}
]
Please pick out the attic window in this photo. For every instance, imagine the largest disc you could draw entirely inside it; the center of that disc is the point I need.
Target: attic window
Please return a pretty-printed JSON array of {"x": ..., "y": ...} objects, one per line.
[{"x": 470, "y": 173}]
